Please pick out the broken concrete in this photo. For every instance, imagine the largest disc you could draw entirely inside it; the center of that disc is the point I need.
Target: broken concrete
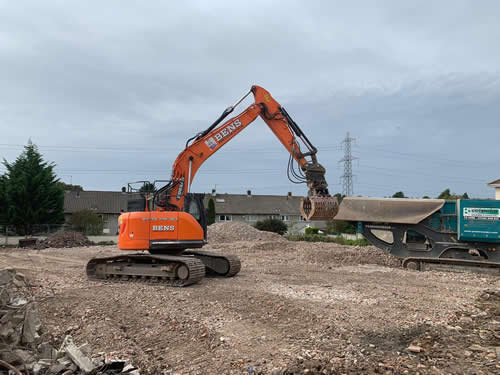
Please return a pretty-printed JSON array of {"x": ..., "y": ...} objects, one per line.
[
  {"x": 76, "y": 355},
  {"x": 21, "y": 343}
]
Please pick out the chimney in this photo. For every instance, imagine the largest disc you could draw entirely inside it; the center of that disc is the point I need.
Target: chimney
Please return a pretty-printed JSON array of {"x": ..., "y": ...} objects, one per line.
[
  {"x": 213, "y": 193},
  {"x": 249, "y": 193}
]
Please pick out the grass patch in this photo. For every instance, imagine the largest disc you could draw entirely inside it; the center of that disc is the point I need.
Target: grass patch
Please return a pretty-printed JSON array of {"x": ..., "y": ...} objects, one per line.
[
  {"x": 322, "y": 238},
  {"x": 105, "y": 243}
]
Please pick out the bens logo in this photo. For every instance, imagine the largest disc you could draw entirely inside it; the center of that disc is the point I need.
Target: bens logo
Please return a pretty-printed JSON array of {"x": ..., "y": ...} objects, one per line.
[
  {"x": 163, "y": 228},
  {"x": 212, "y": 141},
  {"x": 227, "y": 130}
]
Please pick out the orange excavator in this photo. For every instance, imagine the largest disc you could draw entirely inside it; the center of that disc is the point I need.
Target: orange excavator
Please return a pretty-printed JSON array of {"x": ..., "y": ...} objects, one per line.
[{"x": 169, "y": 221}]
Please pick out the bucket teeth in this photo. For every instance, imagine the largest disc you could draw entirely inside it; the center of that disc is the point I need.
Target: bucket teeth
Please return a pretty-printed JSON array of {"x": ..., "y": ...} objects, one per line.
[{"x": 319, "y": 208}]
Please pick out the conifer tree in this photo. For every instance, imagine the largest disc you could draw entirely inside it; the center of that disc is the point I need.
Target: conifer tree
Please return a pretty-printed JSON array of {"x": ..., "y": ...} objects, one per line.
[
  {"x": 211, "y": 211},
  {"x": 32, "y": 191},
  {"x": 3, "y": 201}
]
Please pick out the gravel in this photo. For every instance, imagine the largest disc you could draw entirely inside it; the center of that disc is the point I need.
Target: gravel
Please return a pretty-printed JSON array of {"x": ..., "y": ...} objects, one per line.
[
  {"x": 234, "y": 231},
  {"x": 294, "y": 308}
]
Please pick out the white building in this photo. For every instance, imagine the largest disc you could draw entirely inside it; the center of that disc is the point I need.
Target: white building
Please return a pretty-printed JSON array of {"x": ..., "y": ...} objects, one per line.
[{"x": 496, "y": 184}]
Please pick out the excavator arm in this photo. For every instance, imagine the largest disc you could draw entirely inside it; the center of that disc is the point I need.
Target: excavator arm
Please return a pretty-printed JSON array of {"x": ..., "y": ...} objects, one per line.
[{"x": 319, "y": 205}]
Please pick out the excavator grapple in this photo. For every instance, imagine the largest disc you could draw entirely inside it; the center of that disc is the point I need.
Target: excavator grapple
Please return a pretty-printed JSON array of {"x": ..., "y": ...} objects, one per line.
[{"x": 319, "y": 208}]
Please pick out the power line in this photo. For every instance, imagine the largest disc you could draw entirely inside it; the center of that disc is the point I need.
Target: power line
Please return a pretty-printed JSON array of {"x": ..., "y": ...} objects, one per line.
[{"x": 143, "y": 149}]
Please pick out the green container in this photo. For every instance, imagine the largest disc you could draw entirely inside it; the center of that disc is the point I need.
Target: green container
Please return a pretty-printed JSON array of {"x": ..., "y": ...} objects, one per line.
[{"x": 478, "y": 220}]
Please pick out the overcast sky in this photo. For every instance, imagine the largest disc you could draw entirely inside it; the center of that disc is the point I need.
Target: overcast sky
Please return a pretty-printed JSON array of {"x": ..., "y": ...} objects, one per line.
[{"x": 110, "y": 91}]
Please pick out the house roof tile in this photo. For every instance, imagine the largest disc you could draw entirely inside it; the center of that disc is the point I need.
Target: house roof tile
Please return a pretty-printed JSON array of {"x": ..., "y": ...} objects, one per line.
[
  {"x": 113, "y": 202},
  {"x": 104, "y": 202},
  {"x": 255, "y": 204}
]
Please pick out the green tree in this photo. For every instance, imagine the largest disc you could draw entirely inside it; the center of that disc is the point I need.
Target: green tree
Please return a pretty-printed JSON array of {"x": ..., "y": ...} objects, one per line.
[
  {"x": 3, "y": 200},
  {"x": 399, "y": 194},
  {"x": 88, "y": 222},
  {"x": 148, "y": 187},
  {"x": 447, "y": 194},
  {"x": 311, "y": 230},
  {"x": 211, "y": 211},
  {"x": 32, "y": 191},
  {"x": 272, "y": 225},
  {"x": 340, "y": 226},
  {"x": 69, "y": 187}
]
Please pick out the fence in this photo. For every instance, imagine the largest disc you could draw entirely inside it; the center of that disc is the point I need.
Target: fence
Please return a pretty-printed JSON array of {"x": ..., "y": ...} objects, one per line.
[{"x": 10, "y": 235}]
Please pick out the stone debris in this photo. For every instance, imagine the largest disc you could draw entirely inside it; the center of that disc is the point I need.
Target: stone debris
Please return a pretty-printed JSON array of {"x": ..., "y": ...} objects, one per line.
[
  {"x": 233, "y": 231},
  {"x": 64, "y": 240},
  {"x": 296, "y": 308},
  {"x": 414, "y": 349},
  {"x": 25, "y": 348},
  {"x": 77, "y": 355}
]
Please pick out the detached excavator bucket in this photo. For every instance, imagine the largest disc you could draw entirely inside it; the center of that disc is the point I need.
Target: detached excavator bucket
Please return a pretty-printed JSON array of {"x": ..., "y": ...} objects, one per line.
[{"x": 319, "y": 208}]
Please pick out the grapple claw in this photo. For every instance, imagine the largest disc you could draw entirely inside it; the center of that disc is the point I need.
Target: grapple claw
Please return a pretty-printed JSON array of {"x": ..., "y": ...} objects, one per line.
[{"x": 319, "y": 208}]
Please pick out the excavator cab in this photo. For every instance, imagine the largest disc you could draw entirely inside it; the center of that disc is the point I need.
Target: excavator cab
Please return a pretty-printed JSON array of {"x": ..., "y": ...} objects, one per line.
[{"x": 193, "y": 205}]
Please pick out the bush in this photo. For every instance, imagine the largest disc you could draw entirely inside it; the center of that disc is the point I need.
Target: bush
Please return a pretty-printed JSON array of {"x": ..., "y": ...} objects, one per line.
[
  {"x": 88, "y": 222},
  {"x": 106, "y": 243},
  {"x": 271, "y": 225},
  {"x": 338, "y": 226},
  {"x": 311, "y": 230},
  {"x": 320, "y": 238}
]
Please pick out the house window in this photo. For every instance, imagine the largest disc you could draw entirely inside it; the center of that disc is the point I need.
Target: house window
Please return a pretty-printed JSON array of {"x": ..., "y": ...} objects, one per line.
[
  {"x": 252, "y": 217},
  {"x": 284, "y": 217},
  {"x": 225, "y": 218}
]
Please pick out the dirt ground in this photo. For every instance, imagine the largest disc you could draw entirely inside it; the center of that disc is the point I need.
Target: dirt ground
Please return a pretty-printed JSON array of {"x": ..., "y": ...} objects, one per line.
[{"x": 295, "y": 308}]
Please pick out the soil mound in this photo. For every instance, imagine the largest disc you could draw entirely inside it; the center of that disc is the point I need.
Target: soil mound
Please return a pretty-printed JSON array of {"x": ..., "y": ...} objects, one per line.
[
  {"x": 234, "y": 231},
  {"x": 65, "y": 239}
]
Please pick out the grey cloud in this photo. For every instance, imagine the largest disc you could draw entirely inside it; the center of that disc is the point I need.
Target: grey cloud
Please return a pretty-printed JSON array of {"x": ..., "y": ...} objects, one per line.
[{"x": 418, "y": 81}]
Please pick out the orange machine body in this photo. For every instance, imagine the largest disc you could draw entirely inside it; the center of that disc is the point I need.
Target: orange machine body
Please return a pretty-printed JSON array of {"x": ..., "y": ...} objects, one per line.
[
  {"x": 169, "y": 225},
  {"x": 159, "y": 230}
]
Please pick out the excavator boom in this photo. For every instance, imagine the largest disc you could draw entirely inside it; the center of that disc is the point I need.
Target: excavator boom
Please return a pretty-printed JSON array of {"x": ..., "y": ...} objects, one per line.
[{"x": 318, "y": 205}]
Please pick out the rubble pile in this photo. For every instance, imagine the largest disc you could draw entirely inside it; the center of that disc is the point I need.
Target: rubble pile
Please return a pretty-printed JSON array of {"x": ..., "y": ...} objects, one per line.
[
  {"x": 24, "y": 348},
  {"x": 65, "y": 239},
  {"x": 233, "y": 231}
]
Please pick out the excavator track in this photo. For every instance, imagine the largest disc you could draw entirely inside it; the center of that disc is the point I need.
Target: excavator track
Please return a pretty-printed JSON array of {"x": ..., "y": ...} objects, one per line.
[
  {"x": 217, "y": 264},
  {"x": 450, "y": 264},
  {"x": 165, "y": 269}
]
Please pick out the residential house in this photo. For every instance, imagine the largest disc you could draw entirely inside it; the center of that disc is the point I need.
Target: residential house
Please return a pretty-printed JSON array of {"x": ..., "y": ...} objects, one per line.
[
  {"x": 496, "y": 184},
  {"x": 251, "y": 208},
  {"x": 247, "y": 208},
  {"x": 108, "y": 204}
]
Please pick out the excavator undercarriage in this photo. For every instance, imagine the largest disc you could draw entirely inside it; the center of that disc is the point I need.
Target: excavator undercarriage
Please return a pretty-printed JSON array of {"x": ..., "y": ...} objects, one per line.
[
  {"x": 168, "y": 261},
  {"x": 170, "y": 270}
]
